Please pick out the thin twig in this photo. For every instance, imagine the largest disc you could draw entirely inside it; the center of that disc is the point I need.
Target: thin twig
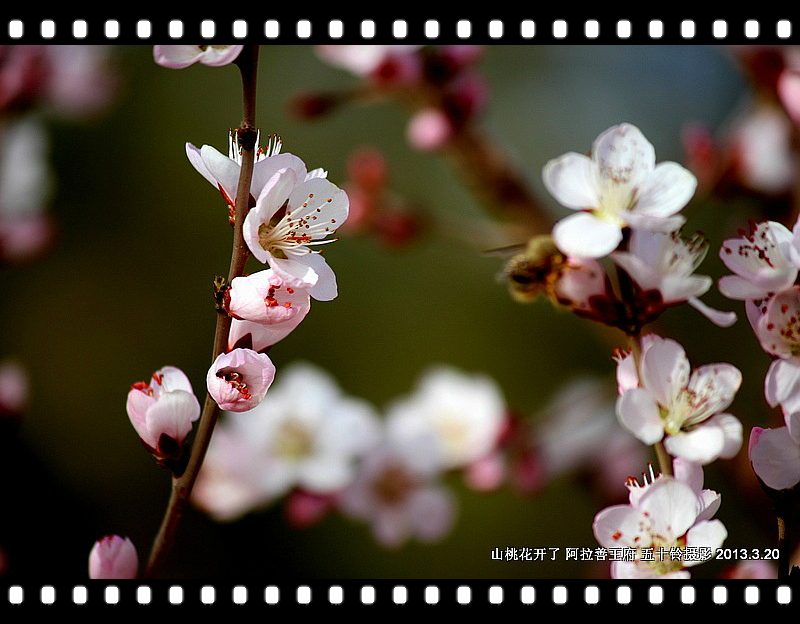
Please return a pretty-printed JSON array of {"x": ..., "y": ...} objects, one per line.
[{"x": 182, "y": 486}]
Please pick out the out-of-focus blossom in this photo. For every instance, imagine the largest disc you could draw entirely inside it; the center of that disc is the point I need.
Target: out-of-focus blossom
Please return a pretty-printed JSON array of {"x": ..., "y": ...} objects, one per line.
[
  {"x": 363, "y": 60},
  {"x": 752, "y": 569},
  {"x": 429, "y": 130},
  {"x": 688, "y": 410},
  {"x": 14, "y": 389},
  {"x": 162, "y": 411},
  {"x": 666, "y": 263},
  {"x": 25, "y": 185},
  {"x": 292, "y": 215},
  {"x": 463, "y": 413},
  {"x": 789, "y": 92},
  {"x": 763, "y": 157},
  {"x": 762, "y": 260},
  {"x": 71, "y": 80},
  {"x": 619, "y": 186},
  {"x": 578, "y": 431},
  {"x": 79, "y": 79},
  {"x": 775, "y": 453},
  {"x": 304, "y": 434},
  {"x": 397, "y": 489},
  {"x": 180, "y": 56},
  {"x": 486, "y": 474},
  {"x": 580, "y": 281},
  {"x": 113, "y": 557},
  {"x": 238, "y": 380},
  {"x": 305, "y": 509},
  {"x": 668, "y": 514}
]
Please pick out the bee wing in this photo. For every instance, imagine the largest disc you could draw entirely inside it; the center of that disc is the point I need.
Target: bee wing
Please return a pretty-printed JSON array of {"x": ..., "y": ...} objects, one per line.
[{"x": 504, "y": 252}]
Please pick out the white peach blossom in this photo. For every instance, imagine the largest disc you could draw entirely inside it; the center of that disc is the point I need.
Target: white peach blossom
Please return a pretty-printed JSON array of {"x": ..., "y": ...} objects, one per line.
[
  {"x": 666, "y": 262},
  {"x": 619, "y": 186},
  {"x": 305, "y": 433},
  {"x": 463, "y": 413},
  {"x": 293, "y": 214},
  {"x": 668, "y": 515},
  {"x": 683, "y": 408},
  {"x": 762, "y": 261}
]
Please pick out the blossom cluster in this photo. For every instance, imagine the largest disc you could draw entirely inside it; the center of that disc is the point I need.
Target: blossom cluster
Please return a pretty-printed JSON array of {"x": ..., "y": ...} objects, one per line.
[{"x": 324, "y": 450}]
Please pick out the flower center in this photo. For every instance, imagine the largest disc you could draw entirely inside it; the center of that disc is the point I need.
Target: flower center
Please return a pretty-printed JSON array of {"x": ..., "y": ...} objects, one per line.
[
  {"x": 236, "y": 381},
  {"x": 394, "y": 485},
  {"x": 293, "y": 441},
  {"x": 291, "y": 232}
]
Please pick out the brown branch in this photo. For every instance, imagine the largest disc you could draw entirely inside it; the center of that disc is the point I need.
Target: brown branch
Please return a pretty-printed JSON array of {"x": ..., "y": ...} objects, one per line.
[{"x": 182, "y": 486}]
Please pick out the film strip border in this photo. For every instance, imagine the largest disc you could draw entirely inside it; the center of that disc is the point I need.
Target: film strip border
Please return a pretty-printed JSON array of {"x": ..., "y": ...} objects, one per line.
[
  {"x": 775, "y": 29},
  {"x": 395, "y": 593}
]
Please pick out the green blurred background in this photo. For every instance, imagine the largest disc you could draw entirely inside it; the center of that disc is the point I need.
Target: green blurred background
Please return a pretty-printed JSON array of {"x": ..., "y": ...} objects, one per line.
[{"x": 127, "y": 290}]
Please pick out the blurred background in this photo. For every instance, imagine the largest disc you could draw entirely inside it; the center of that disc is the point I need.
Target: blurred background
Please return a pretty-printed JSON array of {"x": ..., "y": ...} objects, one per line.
[{"x": 126, "y": 289}]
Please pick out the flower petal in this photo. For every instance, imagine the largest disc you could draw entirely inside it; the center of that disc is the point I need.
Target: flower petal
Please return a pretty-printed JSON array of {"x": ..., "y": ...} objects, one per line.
[
  {"x": 709, "y": 534},
  {"x": 639, "y": 414},
  {"x": 782, "y": 384},
  {"x": 624, "y": 155},
  {"x": 718, "y": 317},
  {"x": 665, "y": 371},
  {"x": 586, "y": 236},
  {"x": 672, "y": 507},
  {"x": 572, "y": 180},
  {"x": 703, "y": 444},
  {"x": 775, "y": 457},
  {"x": 665, "y": 191}
]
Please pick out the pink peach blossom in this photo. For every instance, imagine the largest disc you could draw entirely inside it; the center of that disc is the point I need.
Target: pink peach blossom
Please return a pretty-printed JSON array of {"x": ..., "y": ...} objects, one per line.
[{"x": 238, "y": 380}]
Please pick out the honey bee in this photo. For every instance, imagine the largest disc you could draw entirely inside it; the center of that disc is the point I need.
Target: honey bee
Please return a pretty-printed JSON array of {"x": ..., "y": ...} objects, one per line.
[{"x": 532, "y": 268}]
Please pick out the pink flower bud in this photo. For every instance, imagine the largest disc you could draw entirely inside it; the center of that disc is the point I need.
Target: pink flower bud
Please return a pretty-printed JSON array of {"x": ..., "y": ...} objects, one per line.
[
  {"x": 398, "y": 70},
  {"x": 265, "y": 298},
  {"x": 113, "y": 557},
  {"x": 580, "y": 280},
  {"x": 163, "y": 410},
  {"x": 487, "y": 474},
  {"x": 462, "y": 56},
  {"x": 238, "y": 380},
  {"x": 367, "y": 169},
  {"x": 305, "y": 509},
  {"x": 429, "y": 130}
]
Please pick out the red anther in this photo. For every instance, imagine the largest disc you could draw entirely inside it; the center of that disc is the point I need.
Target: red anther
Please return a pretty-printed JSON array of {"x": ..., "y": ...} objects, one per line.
[
  {"x": 158, "y": 378},
  {"x": 140, "y": 385}
]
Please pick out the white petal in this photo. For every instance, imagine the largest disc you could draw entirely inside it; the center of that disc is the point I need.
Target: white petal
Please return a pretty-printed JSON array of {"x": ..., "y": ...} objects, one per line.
[
  {"x": 618, "y": 526},
  {"x": 793, "y": 425},
  {"x": 718, "y": 317},
  {"x": 265, "y": 168},
  {"x": 708, "y": 534},
  {"x": 321, "y": 205},
  {"x": 665, "y": 191},
  {"x": 688, "y": 472},
  {"x": 624, "y": 155},
  {"x": 714, "y": 386},
  {"x": 664, "y": 225},
  {"x": 735, "y": 287},
  {"x": 672, "y": 506},
  {"x": 176, "y": 56},
  {"x": 325, "y": 474},
  {"x": 224, "y": 170},
  {"x": 775, "y": 457},
  {"x": 325, "y": 289},
  {"x": 295, "y": 272},
  {"x": 584, "y": 235},
  {"x": 433, "y": 511},
  {"x": 665, "y": 371},
  {"x": 572, "y": 180},
  {"x": 639, "y": 414},
  {"x": 782, "y": 384},
  {"x": 645, "y": 276},
  {"x": 173, "y": 415},
  {"x": 732, "y": 431},
  {"x": 198, "y": 163},
  {"x": 219, "y": 56},
  {"x": 703, "y": 444}
]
